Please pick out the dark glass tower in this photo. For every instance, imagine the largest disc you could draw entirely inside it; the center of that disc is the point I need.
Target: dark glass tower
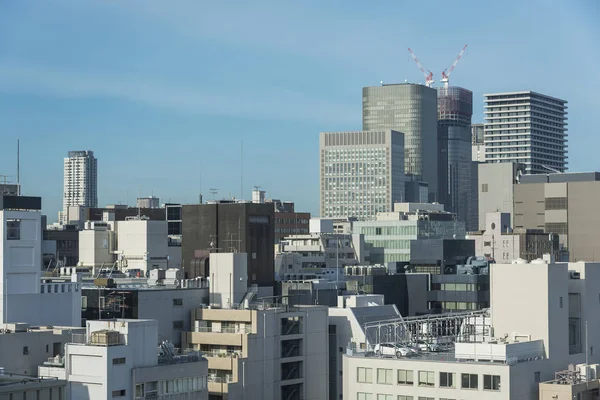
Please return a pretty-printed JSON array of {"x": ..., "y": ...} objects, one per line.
[{"x": 455, "y": 108}]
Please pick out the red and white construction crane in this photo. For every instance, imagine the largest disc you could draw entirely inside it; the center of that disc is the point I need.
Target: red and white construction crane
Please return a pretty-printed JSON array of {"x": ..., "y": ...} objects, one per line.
[
  {"x": 446, "y": 76},
  {"x": 428, "y": 76}
]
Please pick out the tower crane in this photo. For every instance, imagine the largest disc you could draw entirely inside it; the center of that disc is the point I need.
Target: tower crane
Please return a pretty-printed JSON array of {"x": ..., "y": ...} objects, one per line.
[
  {"x": 428, "y": 76},
  {"x": 446, "y": 77}
]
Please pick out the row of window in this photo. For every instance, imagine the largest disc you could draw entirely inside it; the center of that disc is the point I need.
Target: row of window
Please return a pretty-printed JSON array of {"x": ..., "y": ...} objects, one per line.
[{"x": 385, "y": 376}]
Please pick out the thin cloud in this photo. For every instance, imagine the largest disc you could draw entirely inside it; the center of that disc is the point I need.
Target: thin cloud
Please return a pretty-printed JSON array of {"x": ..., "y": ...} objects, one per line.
[{"x": 271, "y": 103}]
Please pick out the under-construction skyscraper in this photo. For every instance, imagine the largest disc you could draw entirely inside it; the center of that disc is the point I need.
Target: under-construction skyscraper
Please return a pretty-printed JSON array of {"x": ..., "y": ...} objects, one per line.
[{"x": 455, "y": 108}]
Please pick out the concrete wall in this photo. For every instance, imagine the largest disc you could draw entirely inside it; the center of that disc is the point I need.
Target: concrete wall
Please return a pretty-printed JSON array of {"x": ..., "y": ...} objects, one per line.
[
  {"x": 228, "y": 278},
  {"x": 584, "y": 235},
  {"x": 143, "y": 243},
  {"x": 39, "y": 346},
  {"x": 530, "y": 206},
  {"x": 158, "y": 305},
  {"x": 94, "y": 247},
  {"x": 497, "y": 180}
]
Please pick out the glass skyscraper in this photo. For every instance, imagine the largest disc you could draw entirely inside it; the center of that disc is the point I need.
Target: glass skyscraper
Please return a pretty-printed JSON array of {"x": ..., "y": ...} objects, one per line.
[
  {"x": 455, "y": 108},
  {"x": 410, "y": 109},
  {"x": 362, "y": 173}
]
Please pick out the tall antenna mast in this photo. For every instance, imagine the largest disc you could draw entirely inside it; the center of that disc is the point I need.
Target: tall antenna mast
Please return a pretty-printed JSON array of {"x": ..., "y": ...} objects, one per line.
[
  {"x": 242, "y": 170},
  {"x": 18, "y": 168}
]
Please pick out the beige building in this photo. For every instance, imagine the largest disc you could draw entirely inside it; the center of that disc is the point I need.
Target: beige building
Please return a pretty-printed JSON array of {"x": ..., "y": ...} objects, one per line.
[
  {"x": 258, "y": 350},
  {"x": 564, "y": 204},
  {"x": 570, "y": 384},
  {"x": 535, "y": 326}
]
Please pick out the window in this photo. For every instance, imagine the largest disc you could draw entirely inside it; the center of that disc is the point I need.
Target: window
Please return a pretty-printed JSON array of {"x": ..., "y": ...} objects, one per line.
[
  {"x": 447, "y": 379},
  {"x": 426, "y": 378},
  {"x": 178, "y": 325},
  {"x": 491, "y": 382},
  {"x": 402, "y": 397},
  {"x": 426, "y": 398},
  {"x": 385, "y": 376},
  {"x": 364, "y": 375},
  {"x": 484, "y": 187},
  {"x": 118, "y": 393},
  {"x": 469, "y": 381},
  {"x": 25, "y": 350},
  {"x": 84, "y": 302},
  {"x": 364, "y": 396},
  {"x": 560, "y": 302},
  {"x": 385, "y": 397},
  {"x": 13, "y": 229},
  {"x": 177, "y": 302},
  {"x": 139, "y": 390},
  {"x": 537, "y": 377},
  {"x": 120, "y": 360},
  {"x": 405, "y": 377}
]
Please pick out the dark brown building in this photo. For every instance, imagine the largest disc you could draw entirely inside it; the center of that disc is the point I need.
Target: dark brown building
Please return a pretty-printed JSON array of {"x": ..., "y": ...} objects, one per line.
[
  {"x": 288, "y": 221},
  {"x": 229, "y": 227}
]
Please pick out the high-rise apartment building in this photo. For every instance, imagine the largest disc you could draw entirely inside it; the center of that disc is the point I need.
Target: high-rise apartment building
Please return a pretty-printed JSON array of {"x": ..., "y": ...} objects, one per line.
[
  {"x": 80, "y": 181},
  {"x": 455, "y": 108},
  {"x": 362, "y": 173},
  {"x": 412, "y": 110},
  {"x": 526, "y": 127}
]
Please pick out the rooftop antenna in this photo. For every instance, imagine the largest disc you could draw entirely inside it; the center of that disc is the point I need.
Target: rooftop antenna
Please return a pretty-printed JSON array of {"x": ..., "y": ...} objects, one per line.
[
  {"x": 241, "y": 170},
  {"x": 214, "y": 192},
  {"x": 138, "y": 203},
  {"x": 18, "y": 168}
]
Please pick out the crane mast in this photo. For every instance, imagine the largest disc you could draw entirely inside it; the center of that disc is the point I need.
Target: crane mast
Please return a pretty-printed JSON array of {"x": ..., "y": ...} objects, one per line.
[
  {"x": 428, "y": 75},
  {"x": 446, "y": 77}
]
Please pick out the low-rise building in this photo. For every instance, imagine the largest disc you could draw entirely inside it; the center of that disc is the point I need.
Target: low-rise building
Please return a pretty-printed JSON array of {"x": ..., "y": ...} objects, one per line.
[
  {"x": 23, "y": 347},
  {"x": 390, "y": 235},
  {"x": 258, "y": 350},
  {"x": 14, "y": 386},
  {"x": 535, "y": 326},
  {"x": 25, "y": 298},
  {"x": 169, "y": 303},
  {"x": 579, "y": 382},
  {"x": 501, "y": 243},
  {"x": 125, "y": 359}
]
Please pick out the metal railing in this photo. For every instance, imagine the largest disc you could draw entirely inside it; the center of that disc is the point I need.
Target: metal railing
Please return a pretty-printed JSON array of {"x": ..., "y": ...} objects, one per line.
[
  {"x": 228, "y": 329},
  {"x": 222, "y": 353},
  {"x": 220, "y": 379}
]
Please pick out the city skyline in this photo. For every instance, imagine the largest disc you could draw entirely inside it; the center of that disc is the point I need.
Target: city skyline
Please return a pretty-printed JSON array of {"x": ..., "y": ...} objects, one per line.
[{"x": 172, "y": 109}]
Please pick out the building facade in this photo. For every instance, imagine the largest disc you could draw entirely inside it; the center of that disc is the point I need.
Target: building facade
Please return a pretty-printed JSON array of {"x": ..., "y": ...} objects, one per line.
[
  {"x": 563, "y": 204},
  {"x": 528, "y": 128},
  {"x": 225, "y": 227},
  {"x": 362, "y": 173},
  {"x": 390, "y": 236},
  {"x": 477, "y": 143},
  {"x": 25, "y": 298},
  {"x": 455, "y": 108},
  {"x": 499, "y": 242},
  {"x": 535, "y": 327},
  {"x": 412, "y": 110},
  {"x": 495, "y": 192},
  {"x": 80, "y": 181},
  {"x": 125, "y": 359}
]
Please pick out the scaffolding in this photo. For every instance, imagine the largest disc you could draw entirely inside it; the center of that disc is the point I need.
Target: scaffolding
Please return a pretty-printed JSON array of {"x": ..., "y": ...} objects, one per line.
[{"x": 442, "y": 329}]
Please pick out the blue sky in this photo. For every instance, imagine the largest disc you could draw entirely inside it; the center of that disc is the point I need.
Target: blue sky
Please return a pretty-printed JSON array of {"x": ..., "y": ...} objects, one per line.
[{"x": 164, "y": 92}]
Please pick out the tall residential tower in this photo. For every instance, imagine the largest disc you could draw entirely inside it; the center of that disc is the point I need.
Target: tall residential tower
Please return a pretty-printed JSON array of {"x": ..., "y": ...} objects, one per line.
[
  {"x": 412, "y": 110},
  {"x": 80, "y": 182},
  {"x": 528, "y": 128},
  {"x": 362, "y": 173}
]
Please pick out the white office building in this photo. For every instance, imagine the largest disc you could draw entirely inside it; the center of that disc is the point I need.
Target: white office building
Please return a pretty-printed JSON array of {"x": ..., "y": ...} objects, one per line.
[
  {"x": 537, "y": 324},
  {"x": 528, "y": 128},
  {"x": 80, "y": 182},
  {"x": 389, "y": 236},
  {"x": 362, "y": 173},
  {"x": 123, "y": 359},
  {"x": 24, "y": 297}
]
